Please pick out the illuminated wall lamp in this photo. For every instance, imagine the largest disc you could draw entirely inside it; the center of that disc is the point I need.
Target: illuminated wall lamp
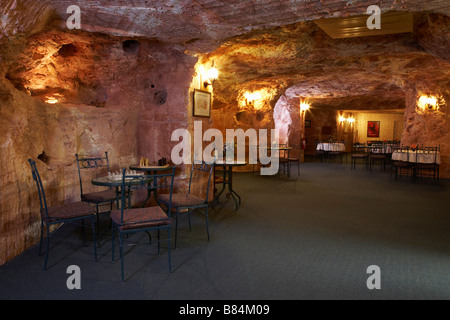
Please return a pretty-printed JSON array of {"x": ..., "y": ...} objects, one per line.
[
  {"x": 51, "y": 100},
  {"x": 250, "y": 98},
  {"x": 304, "y": 106},
  {"x": 351, "y": 120},
  {"x": 428, "y": 102},
  {"x": 211, "y": 76}
]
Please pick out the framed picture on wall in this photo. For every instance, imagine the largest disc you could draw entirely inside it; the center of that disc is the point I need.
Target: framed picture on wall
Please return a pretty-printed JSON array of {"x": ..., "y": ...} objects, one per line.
[
  {"x": 373, "y": 129},
  {"x": 202, "y": 103}
]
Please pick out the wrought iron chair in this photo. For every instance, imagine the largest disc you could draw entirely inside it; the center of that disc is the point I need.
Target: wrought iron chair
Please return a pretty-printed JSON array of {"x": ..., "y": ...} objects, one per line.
[
  {"x": 359, "y": 152},
  {"x": 337, "y": 151},
  {"x": 399, "y": 166},
  {"x": 74, "y": 212},
  {"x": 133, "y": 220},
  {"x": 320, "y": 152},
  {"x": 97, "y": 198},
  {"x": 283, "y": 155},
  {"x": 294, "y": 157},
  {"x": 378, "y": 154},
  {"x": 430, "y": 169},
  {"x": 186, "y": 203}
]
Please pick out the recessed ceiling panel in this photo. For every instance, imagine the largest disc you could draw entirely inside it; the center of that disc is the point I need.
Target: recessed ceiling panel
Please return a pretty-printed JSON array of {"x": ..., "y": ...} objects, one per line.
[{"x": 356, "y": 26}]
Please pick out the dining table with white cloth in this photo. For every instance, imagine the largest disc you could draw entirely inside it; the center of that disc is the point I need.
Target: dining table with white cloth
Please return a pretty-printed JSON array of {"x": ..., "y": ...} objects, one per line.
[
  {"x": 331, "y": 146},
  {"x": 417, "y": 156}
]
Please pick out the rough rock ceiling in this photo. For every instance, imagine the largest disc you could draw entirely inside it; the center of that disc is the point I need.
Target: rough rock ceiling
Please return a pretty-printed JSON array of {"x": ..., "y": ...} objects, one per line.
[
  {"x": 272, "y": 43},
  {"x": 303, "y": 61},
  {"x": 198, "y": 24}
]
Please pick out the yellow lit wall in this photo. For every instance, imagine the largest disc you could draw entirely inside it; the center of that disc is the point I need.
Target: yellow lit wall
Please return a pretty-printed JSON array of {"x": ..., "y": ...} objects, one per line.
[{"x": 391, "y": 125}]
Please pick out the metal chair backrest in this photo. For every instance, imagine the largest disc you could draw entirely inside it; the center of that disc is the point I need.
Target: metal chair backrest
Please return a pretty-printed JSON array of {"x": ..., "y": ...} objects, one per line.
[
  {"x": 378, "y": 148},
  {"x": 199, "y": 167},
  {"x": 90, "y": 163},
  {"x": 406, "y": 149},
  {"x": 40, "y": 187},
  {"x": 144, "y": 182},
  {"x": 431, "y": 150}
]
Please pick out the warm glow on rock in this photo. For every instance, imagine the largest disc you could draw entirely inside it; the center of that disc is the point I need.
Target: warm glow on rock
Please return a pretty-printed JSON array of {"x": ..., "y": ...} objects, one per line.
[
  {"x": 257, "y": 99},
  {"x": 428, "y": 102},
  {"x": 51, "y": 100}
]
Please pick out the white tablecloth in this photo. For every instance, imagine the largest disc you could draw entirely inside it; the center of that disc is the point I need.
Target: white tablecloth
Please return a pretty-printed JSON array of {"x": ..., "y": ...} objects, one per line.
[
  {"x": 422, "y": 157},
  {"x": 330, "y": 146},
  {"x": 386, "y": 148}
]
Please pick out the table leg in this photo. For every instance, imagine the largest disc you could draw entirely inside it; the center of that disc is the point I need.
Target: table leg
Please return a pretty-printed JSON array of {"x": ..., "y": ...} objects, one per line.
[
  {"x": 227, "y": 181},
  {"x": 223, "y": 184},
  {"x": 149, "y": 192}
]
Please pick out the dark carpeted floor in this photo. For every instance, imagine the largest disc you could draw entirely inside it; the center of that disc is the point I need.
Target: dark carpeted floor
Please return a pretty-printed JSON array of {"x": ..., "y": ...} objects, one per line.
[{"x": 307, "y": 237}]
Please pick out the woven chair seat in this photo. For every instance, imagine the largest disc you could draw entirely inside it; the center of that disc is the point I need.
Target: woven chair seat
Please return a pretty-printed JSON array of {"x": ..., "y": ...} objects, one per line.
[
  {"x": 101, "y": 196},
  {"x": 68, "y": 211},
  {"x": 140, "y": 218},
  {"x": 181, "y": 200}
]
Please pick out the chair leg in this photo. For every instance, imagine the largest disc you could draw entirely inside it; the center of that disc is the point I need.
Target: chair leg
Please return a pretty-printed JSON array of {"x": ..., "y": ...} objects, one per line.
[
  {"x": 176, "y": 228},
  {"x": 189, "y": 217},
  {"x": 159, "y": 242},
  {"x": 84, "y": 232},
  {"x": 48, "y": 248},
  {"x": 94, "y": 229},
  {"x": 168, "y": 249},
  {"x": 42, "y": 236},
  {"x": 207, "y": 222},
  {"x": 112, "y": 242},
  {"x": 121, "y": 254},
  {"x": 98, "y": 222}
]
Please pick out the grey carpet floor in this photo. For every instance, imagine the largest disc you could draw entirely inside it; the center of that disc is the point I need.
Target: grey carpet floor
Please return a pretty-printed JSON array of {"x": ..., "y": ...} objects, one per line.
[{"x": 311, "y": 236}]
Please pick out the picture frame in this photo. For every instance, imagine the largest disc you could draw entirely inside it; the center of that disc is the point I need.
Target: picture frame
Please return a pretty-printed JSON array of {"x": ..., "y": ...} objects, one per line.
[
  {"x": 373, "y": 129},
  {"x": 307, "y": 123},
  {"x": 202, "y": 103}
]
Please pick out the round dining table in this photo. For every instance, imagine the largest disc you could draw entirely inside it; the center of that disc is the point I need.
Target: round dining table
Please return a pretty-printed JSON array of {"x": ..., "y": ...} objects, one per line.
[
  {"x": 109, "y": 181},
  {"x": 331, "y": 146},
  {"x": 228, "y": 179},
  {"x": 151, "y": 169}
]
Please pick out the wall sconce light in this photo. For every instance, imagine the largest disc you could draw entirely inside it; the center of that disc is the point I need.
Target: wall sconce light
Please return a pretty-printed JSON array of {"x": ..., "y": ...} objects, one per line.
[
  {"x": 428, "y": 102},
  {"x": 211, "y": 76},
  {"x": 51, "y": 99},
  {"x": 342, "y": 119},
  {"x": 304, "y": 106},
  {"x": 250, "y": 98},
  {"x": 351, "y": 120}
]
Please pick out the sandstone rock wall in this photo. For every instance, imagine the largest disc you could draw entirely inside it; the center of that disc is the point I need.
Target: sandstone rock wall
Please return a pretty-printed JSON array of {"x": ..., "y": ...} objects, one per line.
[
  {"x": 429, "y": 128},
  {"x": 116, "y": 96}
]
